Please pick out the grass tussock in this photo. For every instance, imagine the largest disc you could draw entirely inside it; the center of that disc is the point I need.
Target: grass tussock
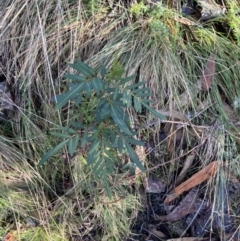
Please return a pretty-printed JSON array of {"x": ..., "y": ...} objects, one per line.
[{"x": 38, "y": 39}]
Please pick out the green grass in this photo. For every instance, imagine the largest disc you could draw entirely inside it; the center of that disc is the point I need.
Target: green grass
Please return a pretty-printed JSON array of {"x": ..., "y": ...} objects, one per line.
[{"x": 37, "y": 40}]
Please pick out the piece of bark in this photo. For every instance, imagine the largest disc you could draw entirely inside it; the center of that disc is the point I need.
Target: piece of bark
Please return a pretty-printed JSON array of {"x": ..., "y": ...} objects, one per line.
[
  {"x": 186, "y": 206},
  {"x": 196, "y": 179}
]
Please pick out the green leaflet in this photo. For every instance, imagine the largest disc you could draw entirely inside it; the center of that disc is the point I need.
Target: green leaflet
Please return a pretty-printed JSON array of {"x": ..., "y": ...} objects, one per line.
[
  {"x": 158, "y": 115},
  {"x": 83, "y": 68},
  {"x": 115, "y": 95},
  {"x": 73, "y": 144},
  {"x": 59, "y": 134},
  {"x": 137, "y": 105},
  {"x": 134, "y": 157},
  {"x": 143, "y": 94},
  {"x": 103, "y": 71},
  {"x": 120, "y": 144},
  {"x": 67, "y": 129},
  {"x": 84, "y": 139},
  {"x": 94, "y": 146},
  {"x": 135, "y": 142},
  {"x": 140, "y": 90},
  {"x": 77, "y": 125},
  {"x": 127, "y": 79},
  {"x": 74, "y": 77},
  {"x": 93, "y": 157},
  {"x": 98, "y": 167},
  {"x": 97, "y": 85},
  {"x": 134, "y": 86},
  {"x": 88, "y": 89},
  {"x": 78, "y": 100},
  {"x": 106, "y": 182},
  {"x": 50, "y": 153},
  {"x": 119, "y": 121},
  {"x": 71, "y": 94}
]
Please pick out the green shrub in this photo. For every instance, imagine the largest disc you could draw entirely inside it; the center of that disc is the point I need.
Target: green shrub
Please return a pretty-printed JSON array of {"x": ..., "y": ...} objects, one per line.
[{"x": 107, "y": 130}]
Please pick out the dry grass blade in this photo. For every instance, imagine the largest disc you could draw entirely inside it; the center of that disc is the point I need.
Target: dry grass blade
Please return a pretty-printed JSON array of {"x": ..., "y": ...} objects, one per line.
[{"x": 201, "y": 176}]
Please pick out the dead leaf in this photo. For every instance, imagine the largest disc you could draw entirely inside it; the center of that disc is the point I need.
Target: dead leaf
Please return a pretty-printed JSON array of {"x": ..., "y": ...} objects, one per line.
[
  {"x": 187, "y": 165},
  {"x": 208, "y": 72},
  {"x": 185, "y": 207},
  {"x": 9, "y": 237},
  {"x": 195, "y": 180},
  {"x": 154, "y": 186}
]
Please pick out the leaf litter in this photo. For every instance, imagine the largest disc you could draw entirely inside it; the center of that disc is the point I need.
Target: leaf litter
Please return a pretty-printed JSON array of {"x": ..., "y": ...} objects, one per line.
[{"x": 186, "y": 203}]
